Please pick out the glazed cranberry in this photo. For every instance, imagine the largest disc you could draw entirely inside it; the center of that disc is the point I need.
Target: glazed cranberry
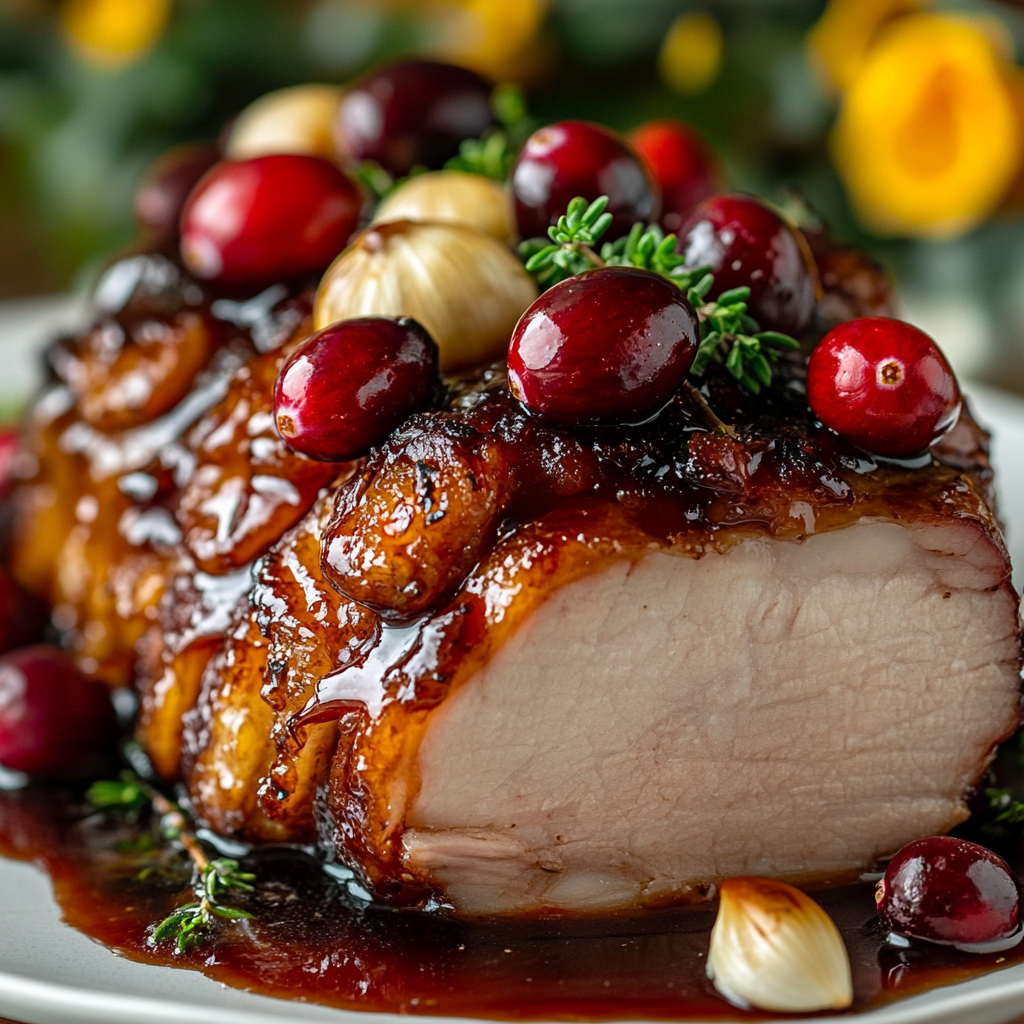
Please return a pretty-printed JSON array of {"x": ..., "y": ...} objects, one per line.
[
  {"x": 414, "y": 112},
  {"x": 686, "y": 170},
  {"x": 161, "y": 196},
  {"x": 52, "y": 718},
  {"x": 609, "y": 346},
  {"x": 949, "y": 891},
  {"x": 347, "y": 388},
  {"x": 577, "y": 158},
  {"x": 882, "y": 385},
  {"x": 745, "y": 242},
  {"x": 251, "y": 222}
]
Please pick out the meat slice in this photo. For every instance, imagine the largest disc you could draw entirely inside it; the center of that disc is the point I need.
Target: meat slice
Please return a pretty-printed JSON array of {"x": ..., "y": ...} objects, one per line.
[
  {"x": 600, "y": 721},
  {"x": 783, "y": 709}
]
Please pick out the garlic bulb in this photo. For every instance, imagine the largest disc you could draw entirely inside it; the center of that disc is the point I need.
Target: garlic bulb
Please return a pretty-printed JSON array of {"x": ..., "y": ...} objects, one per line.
[
  {"x": 295, "y": 120},
  {"x": 773, "y": 947},
  {"x": 467, "y": 289},
  {"x": 451, "y": 197}
]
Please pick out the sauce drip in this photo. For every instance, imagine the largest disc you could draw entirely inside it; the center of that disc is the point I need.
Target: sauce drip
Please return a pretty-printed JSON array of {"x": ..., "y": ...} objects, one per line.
[{"x": 314, "y": 939}]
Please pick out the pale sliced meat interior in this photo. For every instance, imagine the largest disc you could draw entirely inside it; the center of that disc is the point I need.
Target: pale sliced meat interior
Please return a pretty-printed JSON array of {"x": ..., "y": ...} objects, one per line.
[{"x": 787, "y": 709}]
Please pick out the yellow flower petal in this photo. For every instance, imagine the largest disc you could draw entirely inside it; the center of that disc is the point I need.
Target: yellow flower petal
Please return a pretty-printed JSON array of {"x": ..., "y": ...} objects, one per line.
[
  {"x": 114, "y": 32},
  {"x": 840, "y": 41},
  {"x": 494, "y": 37},
  {"x": 927, "y": 142},
  {"x": 691, "y": 54}
]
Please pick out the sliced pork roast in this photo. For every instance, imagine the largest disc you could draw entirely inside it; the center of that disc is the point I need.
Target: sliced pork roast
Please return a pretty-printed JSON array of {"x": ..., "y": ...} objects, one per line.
[
  {"x": 537, "y": 673},
  {"x": 510, "y": 668}
]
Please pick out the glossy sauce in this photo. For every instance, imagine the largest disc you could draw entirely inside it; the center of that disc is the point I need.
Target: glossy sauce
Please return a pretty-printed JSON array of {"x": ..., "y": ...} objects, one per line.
[{"x": 313, "y": 939}]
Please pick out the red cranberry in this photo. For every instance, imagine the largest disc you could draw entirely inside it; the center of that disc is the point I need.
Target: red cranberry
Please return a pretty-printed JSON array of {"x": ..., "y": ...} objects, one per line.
[
  {"x": 607, "y": 346},
  {"x": 161, "y": 197},
  {"x": 10, "y": 442},
  {"x": 685, "y": 169},
  {"x": 949, "y": 891},
  {"x": 255, "y": 221},
  {"x": 347, "y": 388},
  {"x": 52, "y": 718},
  {"x": 414, "y": 112},
  {"x": 577, "y": 158},
  {"x": 745, "y": 242},
  {"x": 882, "y": 385}
]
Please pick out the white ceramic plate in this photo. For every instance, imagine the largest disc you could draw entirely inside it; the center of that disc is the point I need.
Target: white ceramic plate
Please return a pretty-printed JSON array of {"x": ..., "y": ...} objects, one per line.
[{"x": 52, "y": 974}]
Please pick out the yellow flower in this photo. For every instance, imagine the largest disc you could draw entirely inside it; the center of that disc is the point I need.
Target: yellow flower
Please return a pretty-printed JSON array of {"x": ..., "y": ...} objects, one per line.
[
  {"x": 927, "y": 141},
  {"x": 495, "y": 37},
  {"x": 114, "y": 32},
  {"x": 691, "y": 54},
  {"x": 840, "y": 41}
]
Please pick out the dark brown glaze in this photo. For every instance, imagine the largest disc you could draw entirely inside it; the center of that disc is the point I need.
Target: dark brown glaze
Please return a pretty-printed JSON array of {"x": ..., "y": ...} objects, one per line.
[
  {"x": 244, "y": 486},
  {"x": 313, "y": 939},
  {"x": 291, "y": 631},
  {"x": 194, "y": 616},
  {"x": 126, "y": 374},
  {"x": 101, "y": 463}
]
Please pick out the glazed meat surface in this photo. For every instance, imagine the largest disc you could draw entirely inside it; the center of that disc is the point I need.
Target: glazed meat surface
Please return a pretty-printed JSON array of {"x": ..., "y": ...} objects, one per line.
[{"x": 508, "y": 668}]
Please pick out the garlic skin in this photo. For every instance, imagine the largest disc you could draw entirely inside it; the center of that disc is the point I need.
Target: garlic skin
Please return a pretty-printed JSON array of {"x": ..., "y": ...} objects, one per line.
[
  {"x": 295, "y": 120},
  {"x": 452, "y": 197},
  {"x": 774, "y": 948},
  {"x": 466, "y": 288}
]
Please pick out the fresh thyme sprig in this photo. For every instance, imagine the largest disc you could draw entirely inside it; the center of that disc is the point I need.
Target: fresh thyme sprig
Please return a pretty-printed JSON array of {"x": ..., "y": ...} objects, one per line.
[
  {"x": 189, "y": 925},
  {"x": 729, "y": 335}
]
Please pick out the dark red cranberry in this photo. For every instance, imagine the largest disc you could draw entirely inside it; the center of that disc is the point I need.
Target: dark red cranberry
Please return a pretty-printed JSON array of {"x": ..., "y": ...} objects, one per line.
[
  {"x": 882, "y": 385},
  {"x": 414, "y": 112},
  {"x": 347, "y": 388},
  {"x": 949, "y": 891},
  {"x": 255, "y": 221},
  {"x": 605, "y": 347},
  {"x": 161, "y": 196},
  {"x": 745, "y": 242},
  {"x": 10, "y": 441},
  {"x": 686, "y": 170},
  {"x": 577, "y": 158},
  {"x": 52, "y": 719}
]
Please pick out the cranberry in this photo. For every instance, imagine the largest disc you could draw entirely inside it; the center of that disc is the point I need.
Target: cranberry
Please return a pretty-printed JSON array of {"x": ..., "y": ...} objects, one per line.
[
  {"x": 607, "y": 346},
  {"x": 52, "y": 718},
  {"x": 10, "y": 442},
  {"x": 161, "y": 196},
  {"x": 414, "y": 112},
  {"x": 882, "y": 385},
  {"x": 255, "y": 221},
  {"x": 685, "y": 169},
  {"x": 347, "y": 388},
  {"x": 949, "y": 891},
  {"x": 577, "y": 158},
  {"x": 745, "y": 242}
]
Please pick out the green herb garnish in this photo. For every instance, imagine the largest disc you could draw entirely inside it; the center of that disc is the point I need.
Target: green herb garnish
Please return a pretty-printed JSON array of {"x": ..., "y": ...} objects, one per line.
[
  {"x": 729, "y": 336},
  {"x": 190, "y": 925}
]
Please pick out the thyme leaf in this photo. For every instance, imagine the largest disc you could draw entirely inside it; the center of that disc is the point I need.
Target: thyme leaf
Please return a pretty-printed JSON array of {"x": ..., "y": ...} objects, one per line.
[
  {"x": 190, "y": 925},
  {"x": 730, "y": 337}
]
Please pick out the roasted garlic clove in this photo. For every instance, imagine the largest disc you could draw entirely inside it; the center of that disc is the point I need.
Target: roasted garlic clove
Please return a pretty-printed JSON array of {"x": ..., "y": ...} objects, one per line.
[
  {"x": 451, "y": 197},
  {"x": 296, "y": 120},
  {"x": 467, "y": 289},
  {"x": 773, "y": 947}
]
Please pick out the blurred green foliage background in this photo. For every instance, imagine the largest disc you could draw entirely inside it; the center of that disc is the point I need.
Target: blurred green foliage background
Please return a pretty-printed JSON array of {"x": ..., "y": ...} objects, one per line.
[{"x": 78, "y": 125}]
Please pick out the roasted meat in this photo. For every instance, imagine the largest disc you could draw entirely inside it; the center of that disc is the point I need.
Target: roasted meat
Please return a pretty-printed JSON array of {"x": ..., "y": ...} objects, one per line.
[{"x": 511, "y": 668}]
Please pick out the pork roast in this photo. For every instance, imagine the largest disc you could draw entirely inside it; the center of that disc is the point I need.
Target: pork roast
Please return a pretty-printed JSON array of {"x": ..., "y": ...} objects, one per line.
[{"x": 514, "y": 669}]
